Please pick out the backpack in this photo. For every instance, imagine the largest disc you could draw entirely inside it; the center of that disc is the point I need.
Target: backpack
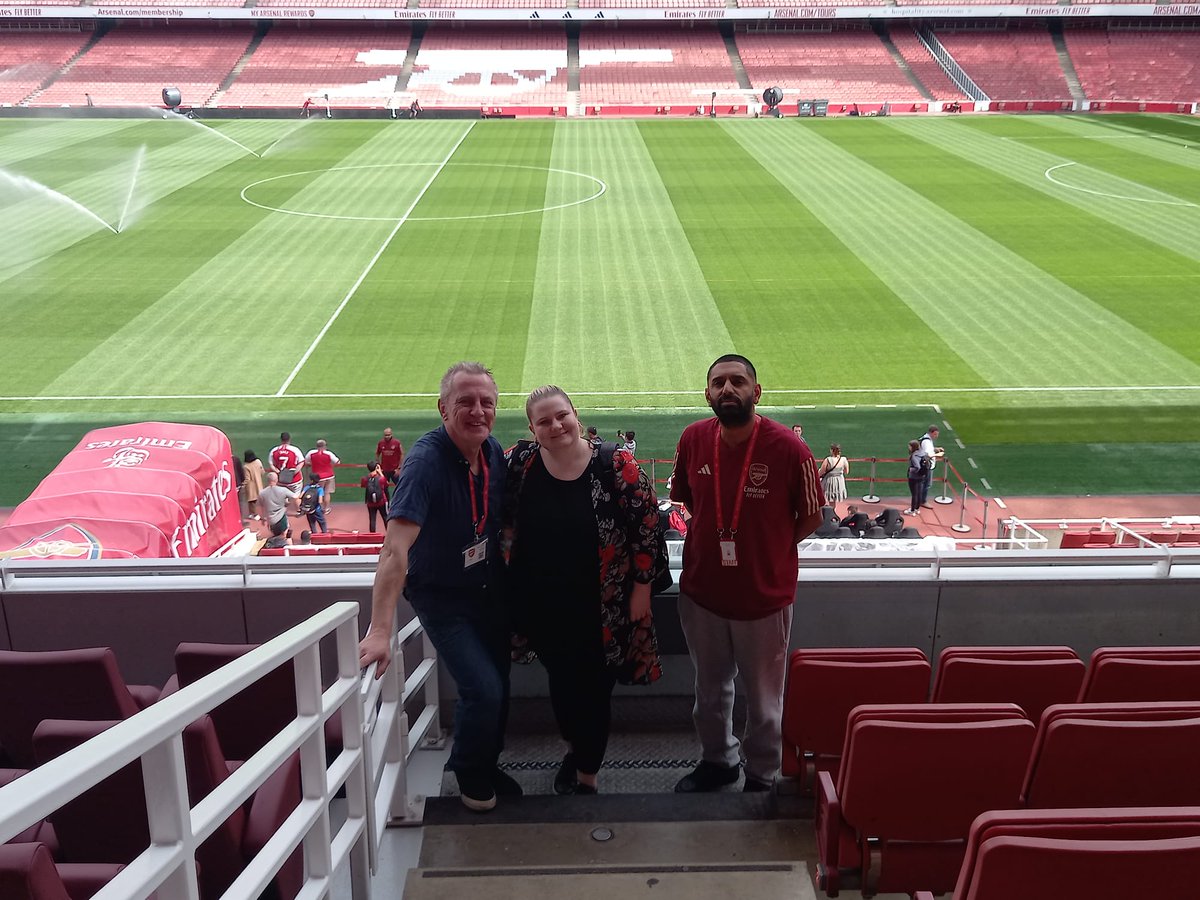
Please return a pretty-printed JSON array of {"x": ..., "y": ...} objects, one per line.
[
  {"x": 374, "y": 490},
  {"x": 662, "y": 567},
  {"x": 309, "y": 499}
]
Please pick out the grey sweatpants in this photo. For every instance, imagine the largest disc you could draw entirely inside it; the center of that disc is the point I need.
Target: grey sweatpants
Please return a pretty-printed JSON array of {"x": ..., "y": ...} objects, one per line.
[{"x": 721, "y": 649}]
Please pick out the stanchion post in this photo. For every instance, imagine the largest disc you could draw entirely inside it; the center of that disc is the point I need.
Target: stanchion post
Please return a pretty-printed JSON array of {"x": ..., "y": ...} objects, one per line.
[
  {"x": 871, "y": 496},
  {"x": 946, "y": 499},
  {"x": 983, "y": 530},
  {"x": 962, "y": 527}
]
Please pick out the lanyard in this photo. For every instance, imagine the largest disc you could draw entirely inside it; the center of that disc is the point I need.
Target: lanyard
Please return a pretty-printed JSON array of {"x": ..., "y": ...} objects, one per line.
[
  {"x": 478, "y": 522},
  {"x": 741, "y": 488}
]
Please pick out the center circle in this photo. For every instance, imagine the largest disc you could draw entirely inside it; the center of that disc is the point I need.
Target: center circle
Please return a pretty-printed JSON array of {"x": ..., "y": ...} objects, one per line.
[{"x": 597, "y": 186}]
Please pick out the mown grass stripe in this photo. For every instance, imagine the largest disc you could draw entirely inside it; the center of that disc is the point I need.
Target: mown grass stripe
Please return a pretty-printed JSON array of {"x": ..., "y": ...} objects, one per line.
[
  {"x": 617, "y": 273},
  {"x": 794, "y": 298},
  {"x": 1119, "y": 265},
  {"x": 985, "y": 299},
  {"x": 451, "y": 288}
]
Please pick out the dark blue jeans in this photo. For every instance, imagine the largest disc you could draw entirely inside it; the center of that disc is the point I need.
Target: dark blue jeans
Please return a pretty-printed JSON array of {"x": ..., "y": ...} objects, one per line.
[
  {"x": 476, "y": 653},
  {"x": 926, "y": 482}
]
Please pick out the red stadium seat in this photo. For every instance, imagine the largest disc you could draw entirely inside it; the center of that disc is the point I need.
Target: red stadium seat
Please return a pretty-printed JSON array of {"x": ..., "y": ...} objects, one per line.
[
  {"x": 1028, "y": 676},
  {"x": 908, "y": 791},
  {"x": 28, "y": 872},
  {"x": 1117, "y": 674},
  {"x": 1114, "y": 756},
  {"x": 1065, "y": 853},
  {"x": 824, "y": 684}
]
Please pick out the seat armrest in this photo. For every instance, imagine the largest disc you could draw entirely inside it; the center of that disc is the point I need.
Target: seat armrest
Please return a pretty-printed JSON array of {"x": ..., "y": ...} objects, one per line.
[
  {"x": 828, "y": 825},
  {"x": 144, "y": 694}
]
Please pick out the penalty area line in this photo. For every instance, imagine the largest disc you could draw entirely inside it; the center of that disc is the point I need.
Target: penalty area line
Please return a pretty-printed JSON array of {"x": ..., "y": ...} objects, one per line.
[{"x": 367, "y": 271}]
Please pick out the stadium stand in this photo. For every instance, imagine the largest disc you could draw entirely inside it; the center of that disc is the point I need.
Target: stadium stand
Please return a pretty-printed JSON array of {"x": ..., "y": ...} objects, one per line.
[
  {"x": 491, "y": 66},
  {"x": 28, "y": 58},
  {"x": 842, "y": 66},
  {"x": 1031, "y": 677},
  {"x": 923, "y": 65},
  {"x": 130, "y": 65},
  {"x": 1018, "y": 64},
  {"x": 652, "y": 66},
  {"x": 354, "y": 64},
  {"x": 1121, "y": 64}
]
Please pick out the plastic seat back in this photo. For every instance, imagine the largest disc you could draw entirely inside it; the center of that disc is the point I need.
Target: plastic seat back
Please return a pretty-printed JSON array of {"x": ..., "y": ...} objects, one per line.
[
  {"x": 57, "y": 684},
  {"x": 27, "y": 872},
  {"x": 1115, "y": 679},
  {"x": 1032, "y": 684},
  {"x": 1096, "y": 762}
]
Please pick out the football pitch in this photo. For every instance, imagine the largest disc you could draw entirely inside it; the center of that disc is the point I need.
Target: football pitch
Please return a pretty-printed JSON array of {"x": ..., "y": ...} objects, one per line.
[{"x": 1033, "y": 281}]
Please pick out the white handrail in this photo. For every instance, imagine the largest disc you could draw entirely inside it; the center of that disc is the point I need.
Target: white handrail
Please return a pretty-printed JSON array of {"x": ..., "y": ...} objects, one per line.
[{"x": 154, "y": 735}]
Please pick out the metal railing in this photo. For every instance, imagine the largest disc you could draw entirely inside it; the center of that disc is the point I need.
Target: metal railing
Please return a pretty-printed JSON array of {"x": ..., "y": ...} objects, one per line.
[{"x": 371, "y": 766}]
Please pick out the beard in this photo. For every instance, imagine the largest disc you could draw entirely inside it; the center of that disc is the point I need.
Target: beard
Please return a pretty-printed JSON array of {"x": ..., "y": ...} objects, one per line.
[{"x": 733, "y": 412}]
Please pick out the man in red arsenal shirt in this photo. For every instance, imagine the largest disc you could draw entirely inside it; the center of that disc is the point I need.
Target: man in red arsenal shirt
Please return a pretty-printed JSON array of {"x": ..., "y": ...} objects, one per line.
[
  {"x": 287, "y": 461},
  {"x": 753, "y": 493},
  {"x": 390, "y": 453}
]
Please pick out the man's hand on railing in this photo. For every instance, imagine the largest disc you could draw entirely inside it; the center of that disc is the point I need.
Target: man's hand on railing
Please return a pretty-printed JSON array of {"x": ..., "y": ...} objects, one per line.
[{"x": 376, "y": 647}]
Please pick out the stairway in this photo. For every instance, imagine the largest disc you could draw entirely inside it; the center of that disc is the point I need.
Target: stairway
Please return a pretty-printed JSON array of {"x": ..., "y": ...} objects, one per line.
[
  {"x": 572, "y": 104},
  {"x": 414, "y": 46},
  {"x": 227, "y": 82},
  {"x": 881, "y": 30},
  {"x": 949, "y": 65},
  {"x": 1068, "y": 65},
  {"x": 683, "y": 847},
  {"x": 101, "y": 30},
  {"x": 573, "y": 61},
  {"x": 735, "y": 57}
]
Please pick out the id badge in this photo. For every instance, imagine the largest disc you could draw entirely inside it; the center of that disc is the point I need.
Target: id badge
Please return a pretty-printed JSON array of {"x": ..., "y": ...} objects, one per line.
[
  {"x": 728, "y": 553},
  {"x": 475, "y": 552}
]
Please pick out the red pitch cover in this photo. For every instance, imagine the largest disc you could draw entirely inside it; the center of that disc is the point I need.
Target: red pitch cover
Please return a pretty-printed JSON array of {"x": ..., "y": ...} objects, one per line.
[{"x": 151, "y": 490}]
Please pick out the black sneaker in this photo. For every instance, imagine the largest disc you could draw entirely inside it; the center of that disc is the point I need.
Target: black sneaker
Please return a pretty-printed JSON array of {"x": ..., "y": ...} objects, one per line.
[
  {"x": 582, "y": 789},
  {"x": 754, "y": 785},
  {"x": 476, "y": 790},
  {"x": 566, "y": 778},
  {"x": 707, "y": 777},
  {"x": 505, "y": 785}
]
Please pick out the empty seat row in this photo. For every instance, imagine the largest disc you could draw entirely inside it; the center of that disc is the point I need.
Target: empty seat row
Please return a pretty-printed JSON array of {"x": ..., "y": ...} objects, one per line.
[
  {"x": 1098, "y": 539},
  {"x": 914, "y": 777},
  {"x": 824, "y": 685}
]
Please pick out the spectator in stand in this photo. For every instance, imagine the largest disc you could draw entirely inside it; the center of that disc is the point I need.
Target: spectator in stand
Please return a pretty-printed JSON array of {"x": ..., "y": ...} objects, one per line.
[
  {"x": 629, "y": 444},
  {"x": 375, "y": 493},
  {"x": 286, "y": 460},
  {"x": 312, "y": 504},
  {"x": 442, "y": 554},
  {"x": 253, "y": 468},
  {"x": 273, "y": 504},
  {"x": 390, "y": 453},
  {"x": 833, "y": 472},
  {"x": 932, "y": 454},
  {"x": 918, "y": 467},
  {"x": 320, "y": 462},
  {"x": 798, "y": 431},
  {"x": 753, "y": 492},
  {"x": 582, "y": 524},
  {"x": 593, "y": 435}
]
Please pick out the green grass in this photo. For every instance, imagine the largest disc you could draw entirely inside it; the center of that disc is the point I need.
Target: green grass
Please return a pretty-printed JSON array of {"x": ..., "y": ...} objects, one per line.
[{"x": 1034, "y": 279}]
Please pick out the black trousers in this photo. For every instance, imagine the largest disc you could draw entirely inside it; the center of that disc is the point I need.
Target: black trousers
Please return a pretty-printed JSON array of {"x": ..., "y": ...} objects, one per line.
[
  {"x": 581, "y": 687},
  {"x": 915, "y": 487}
]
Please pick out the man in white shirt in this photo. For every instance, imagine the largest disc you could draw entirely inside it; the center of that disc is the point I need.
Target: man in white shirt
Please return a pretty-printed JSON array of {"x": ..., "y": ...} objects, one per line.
[{"x": 934, "y": 453}]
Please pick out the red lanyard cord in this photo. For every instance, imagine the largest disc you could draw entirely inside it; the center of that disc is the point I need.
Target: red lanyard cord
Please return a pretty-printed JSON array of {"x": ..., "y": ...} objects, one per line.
[
  {"x": 741, "y": 488},
  {"x": 478, "y": 523}
]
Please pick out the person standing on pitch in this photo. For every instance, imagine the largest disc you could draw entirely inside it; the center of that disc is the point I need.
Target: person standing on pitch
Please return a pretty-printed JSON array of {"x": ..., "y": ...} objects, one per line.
[
  {"x": 390, "y": 453},
  {"x": 442, "y": 552},
  {"x": 753, "y": 493}
]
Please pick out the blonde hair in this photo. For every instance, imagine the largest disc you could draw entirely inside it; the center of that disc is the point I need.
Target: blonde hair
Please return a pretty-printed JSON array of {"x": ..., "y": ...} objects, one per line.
[{"x": 542, "y": 393}]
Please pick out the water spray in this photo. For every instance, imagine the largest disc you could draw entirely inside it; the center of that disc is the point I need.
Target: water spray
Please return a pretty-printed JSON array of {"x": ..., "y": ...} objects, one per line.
[
  {"x": 28, "y": 184},
  {"x": 137, "y": 167}
]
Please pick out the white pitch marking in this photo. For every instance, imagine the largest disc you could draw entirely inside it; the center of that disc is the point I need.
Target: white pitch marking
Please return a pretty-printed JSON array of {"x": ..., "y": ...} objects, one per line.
[
  {"x": 984, "y": 482},
  {"x": 971, "y": 460},
  {"x": 845, "y": 406},
  {"x": 365, "y": 272},
  {"x": 1000, "y": 503},
  {"x": 1084, "y": 190},
  {"x": 937, "y": 409},
  {"x": 947, "y": 424},
  {"x": 885, "y": 405},
  {"x": 961, "y": 445}
]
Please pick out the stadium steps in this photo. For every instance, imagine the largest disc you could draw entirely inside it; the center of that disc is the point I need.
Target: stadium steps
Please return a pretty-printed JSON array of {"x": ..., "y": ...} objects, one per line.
[
  {"x": 227, "y": 82},
  {"x": 881, "y": 30},
  {"x": 1064, "y": 59},
  {"x": 573, "y": 64},
  {"x": 572, "y": 103},
  {"x": 735, "y": 57},
  {"x": 414, "y": 46},
  {"x": 949, "y": 65},
  {"x": 101, "y": 30}
]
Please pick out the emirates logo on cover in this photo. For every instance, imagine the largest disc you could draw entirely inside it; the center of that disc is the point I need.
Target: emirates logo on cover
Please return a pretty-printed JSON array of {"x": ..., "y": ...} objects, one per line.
[{"x": 758, "y": 474}]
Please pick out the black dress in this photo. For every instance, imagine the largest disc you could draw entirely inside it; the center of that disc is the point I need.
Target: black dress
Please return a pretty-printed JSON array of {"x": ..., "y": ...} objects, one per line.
[{"x": 557, "y": 573}]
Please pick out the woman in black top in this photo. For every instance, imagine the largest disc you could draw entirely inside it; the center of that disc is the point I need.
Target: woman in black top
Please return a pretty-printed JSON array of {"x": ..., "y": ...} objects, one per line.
[{"x": 581, "y": 531}]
